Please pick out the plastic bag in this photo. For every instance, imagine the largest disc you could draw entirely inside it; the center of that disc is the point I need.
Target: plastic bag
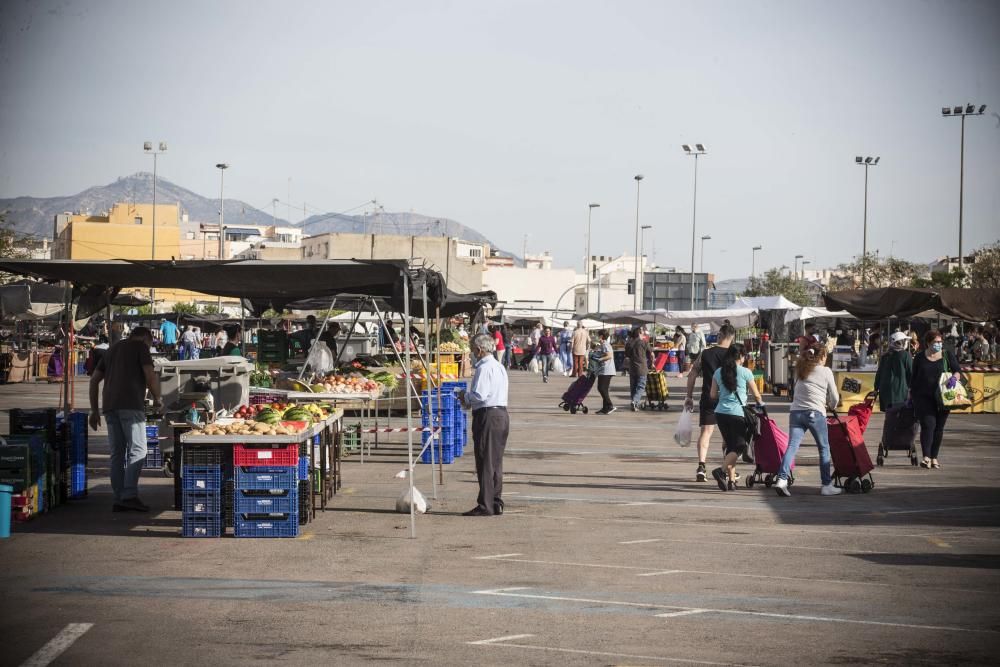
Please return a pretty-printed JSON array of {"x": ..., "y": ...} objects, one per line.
[
  {"x": 320, "y": 358},
  {"x": 557, "y": 366},
  {"x": 952, "y": 398},
  {"x": 682, "y": 434},
  {"x": 533, "y": 365},
  {"x": 403, "y": 502}
]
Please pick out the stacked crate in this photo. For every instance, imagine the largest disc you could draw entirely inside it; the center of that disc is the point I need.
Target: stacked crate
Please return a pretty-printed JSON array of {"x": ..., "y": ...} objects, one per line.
[
  {"x": 272, "y": 346},
  {"x": 22, "y": 466},
  {"x": 439, "y": 414},
  {"x": 201, "y": 492},
  {"x": 154, "y": 455},
  {"x": 461, "y": 419},
  {"x": 76, "y": 453},
  {"x": 266, "y": 493}
]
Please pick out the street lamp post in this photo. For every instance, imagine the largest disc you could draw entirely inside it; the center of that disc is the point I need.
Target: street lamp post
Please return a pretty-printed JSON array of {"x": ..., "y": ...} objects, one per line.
[
  {"x": 969, "y": 110},
  {"x": 635, "y": 291},
  {"x": 147, "y": 146},
  {"x": 699, "y": 149},
  {"x": 701, "y": 264},
  {"x": 795, "y": 268},
  {"x": 642, "y": 251},
  {"x": 804, "y": 262},
  {"x": 586, "y": 263},
  {"x": 866, "y": 162},
  {"x": 222, "y": 166},
  {"x": 753, "y": 260}
]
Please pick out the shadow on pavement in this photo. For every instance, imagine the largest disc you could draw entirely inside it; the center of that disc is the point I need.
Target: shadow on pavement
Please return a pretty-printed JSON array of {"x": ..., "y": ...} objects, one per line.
[{"x": 980, "y": 561}]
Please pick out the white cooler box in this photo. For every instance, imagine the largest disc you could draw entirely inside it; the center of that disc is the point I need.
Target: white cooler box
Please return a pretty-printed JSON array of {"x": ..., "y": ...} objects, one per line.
[{"x": 228, "y": 379}]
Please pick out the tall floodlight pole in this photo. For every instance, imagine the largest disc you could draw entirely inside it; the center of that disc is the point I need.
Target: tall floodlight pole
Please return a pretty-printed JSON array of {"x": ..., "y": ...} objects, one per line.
[
  {"x": 222, "y": 166},
  {"x": 147, "y": 146},
  {"x": 865, "y": 162},
  {"x": 753, "y": 260},
  {"x": 969, "y": 110},
  {"x": 699, "y": 150},
  {"x": 642, "y": 253},
  {"x": 635, "y": 291},
  {"x": 804, "y": 262},
  {"x": 795, "y": 268},
  {"x": 586, "y": 262}
]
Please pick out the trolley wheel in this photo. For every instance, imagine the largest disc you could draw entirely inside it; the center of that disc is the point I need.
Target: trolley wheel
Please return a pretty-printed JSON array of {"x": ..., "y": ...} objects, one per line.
[
  {"x": 168, "y": 466},
  {"x": 913, "y": 460},
  {"x": 584, "y": 409},
  {"x": 665, "y": 407},
  {"x": 749, "y": 481},
  {"x": 768, "y": 480},
  {"x": 572, "y": 409},
  {"x": 853, "y": 485},
  {"x": 880, "y": 461},
  {"x": 866, "y": 485},
  {"x": 564, "y": 407},
  {"x": 791, "y": 479}
]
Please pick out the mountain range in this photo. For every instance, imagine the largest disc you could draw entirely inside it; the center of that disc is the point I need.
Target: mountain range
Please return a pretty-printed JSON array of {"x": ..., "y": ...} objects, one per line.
[{"x": 33, "y": 216}]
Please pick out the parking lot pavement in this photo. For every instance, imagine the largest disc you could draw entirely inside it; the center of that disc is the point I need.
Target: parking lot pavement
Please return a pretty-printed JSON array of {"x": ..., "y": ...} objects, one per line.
[{"x": 609, "y": 552}]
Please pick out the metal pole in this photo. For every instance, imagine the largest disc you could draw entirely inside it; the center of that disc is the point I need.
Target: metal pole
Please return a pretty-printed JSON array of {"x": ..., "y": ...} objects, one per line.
[
  {"x": 222, "y": 219},
  {"x": 437, "y": 354},
  {"x": 586, "y": 261},
  {"x": 694, "y": 218},
  {"x": 753, "y": 262},
  {"x": 152, "y": 291},
  {"x": 701, "y": 261},
  {"x": 430, "y": 387},
  {"x": 638, "y": 259},
  {"x": 864, "y": 247},
  {"x": 961, "y": 197},
  {"x": 409, "y": 400}
]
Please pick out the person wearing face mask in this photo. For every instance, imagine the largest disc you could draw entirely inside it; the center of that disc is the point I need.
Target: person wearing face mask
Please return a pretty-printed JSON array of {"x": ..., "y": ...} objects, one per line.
[{"x": 927, "y": 369}]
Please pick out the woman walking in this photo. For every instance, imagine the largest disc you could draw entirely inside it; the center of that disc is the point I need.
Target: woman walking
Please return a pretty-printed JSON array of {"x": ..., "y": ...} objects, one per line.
[
  {"x": 924, "y": 387},
  {"x": 546, "y": 351},
  {"x": 680, "y": 344},
  {"x": 730, "y": 385},
  {"x": 815, "y": 391},
  {"x": 566, "y": 349},
  {"x": 605, "y": 357}
]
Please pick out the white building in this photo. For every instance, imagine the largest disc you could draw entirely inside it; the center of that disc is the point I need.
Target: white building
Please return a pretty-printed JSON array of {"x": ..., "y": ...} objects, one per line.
[
  {"x": 535, "y": 290},
  {"x": 609, "y": 284}
]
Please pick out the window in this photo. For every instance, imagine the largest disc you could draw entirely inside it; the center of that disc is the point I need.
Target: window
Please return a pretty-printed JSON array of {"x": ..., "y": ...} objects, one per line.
[
  {"x": 138, "y": 220},
  {"x": 475, "y": 252}
]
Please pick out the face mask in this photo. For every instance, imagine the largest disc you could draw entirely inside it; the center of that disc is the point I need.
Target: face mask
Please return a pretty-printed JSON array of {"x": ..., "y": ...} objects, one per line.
[{"x": 936, "y": 347}]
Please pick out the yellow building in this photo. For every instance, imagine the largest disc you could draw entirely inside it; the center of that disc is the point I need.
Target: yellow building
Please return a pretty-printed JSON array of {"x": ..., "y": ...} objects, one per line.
[{"x": 126, "y": 232}]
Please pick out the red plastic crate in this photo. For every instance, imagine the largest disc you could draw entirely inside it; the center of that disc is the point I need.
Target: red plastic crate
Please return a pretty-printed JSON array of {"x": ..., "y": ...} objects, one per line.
[{"x": 266, "y": 455}]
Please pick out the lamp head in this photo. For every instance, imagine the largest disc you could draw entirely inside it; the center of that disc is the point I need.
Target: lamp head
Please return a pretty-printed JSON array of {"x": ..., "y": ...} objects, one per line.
[
  {"x": 757, "y": 247},
  {"x": 595, "y": 206},
  {"x": 639, "y": 177},
  {"x": 687, "y": 149},
  {"x": 163, "y": 146},
  {"x": 147, "y": 145},
  {"x": 945, "y": 111},
  {"x": 222, "y": 165},
  {"x": 700, "y": 147}
]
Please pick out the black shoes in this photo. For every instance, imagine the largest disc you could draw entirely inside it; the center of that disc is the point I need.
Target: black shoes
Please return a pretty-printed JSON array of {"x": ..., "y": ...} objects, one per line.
[
  {"x": 720, "y": 479},
  {"x": 130, "y": 505},
  {"x": 476, "y": 511},
  {"x": 701, "y": 475}
]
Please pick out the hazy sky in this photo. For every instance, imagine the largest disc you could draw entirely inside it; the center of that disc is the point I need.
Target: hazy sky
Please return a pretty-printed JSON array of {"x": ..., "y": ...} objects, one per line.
[{"x": 511, "y": 116}]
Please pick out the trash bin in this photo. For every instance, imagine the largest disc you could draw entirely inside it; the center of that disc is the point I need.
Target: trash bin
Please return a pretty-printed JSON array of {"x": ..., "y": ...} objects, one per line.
[{"x": 5, "y": 493}]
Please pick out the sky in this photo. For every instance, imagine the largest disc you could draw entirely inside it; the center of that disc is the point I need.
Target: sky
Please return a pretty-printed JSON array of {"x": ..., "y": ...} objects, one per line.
[{"x": 512, "y": 116}]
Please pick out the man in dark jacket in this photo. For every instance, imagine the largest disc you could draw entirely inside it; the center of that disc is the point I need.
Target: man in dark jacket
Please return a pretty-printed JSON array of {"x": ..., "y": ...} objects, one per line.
[{"x": 639, "y": 357}]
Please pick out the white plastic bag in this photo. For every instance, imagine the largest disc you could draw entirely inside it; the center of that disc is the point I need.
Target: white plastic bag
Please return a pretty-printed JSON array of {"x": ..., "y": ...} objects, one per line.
[
  {"x": 682, "y": 434},
  {"x": 403, "y": 502},
  {"x": 534, "y": 366},
  {"x": 557, "y": 365},
  {"x": 320, "y": 358}
]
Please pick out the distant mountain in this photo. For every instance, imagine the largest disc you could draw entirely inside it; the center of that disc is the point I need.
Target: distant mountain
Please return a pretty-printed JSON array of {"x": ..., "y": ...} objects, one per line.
[{"x": 34, "y": 215}]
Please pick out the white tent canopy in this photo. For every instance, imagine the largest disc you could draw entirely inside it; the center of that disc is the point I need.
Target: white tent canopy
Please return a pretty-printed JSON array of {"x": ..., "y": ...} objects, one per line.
[
  {"x": 765, "y": 303},
  {"x": 808, "y": 313},
  {"x": 739, "y": 317}
]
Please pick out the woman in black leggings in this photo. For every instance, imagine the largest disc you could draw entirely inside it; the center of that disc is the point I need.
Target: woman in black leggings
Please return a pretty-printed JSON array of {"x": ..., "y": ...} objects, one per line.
[{"x": 928, "y": 366}]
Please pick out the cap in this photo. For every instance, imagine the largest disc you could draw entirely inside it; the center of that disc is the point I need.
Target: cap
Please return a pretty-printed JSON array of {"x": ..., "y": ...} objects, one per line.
[{"x": 898, "y": 336}]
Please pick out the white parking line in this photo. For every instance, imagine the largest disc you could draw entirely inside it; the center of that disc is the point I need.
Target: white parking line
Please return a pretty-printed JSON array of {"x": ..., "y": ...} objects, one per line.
[
  {"x": 483, "y": 642},
  {"x": 687, "y": 612},
  {"x": 496, "y": 556},
  {"x": 941, "y": 509},
  {"x": 657, "y": 574},
  {"x": 57, "y": 645},
  {"x": 655, "y": 539},
  {"x": 515, "y": 593},
  {"x": 607, "y": 654}
]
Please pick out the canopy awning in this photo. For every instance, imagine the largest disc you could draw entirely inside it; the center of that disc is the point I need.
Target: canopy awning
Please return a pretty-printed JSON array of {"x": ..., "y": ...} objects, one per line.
[
  {"x": 974, "y": 305},
  {"x": 764, "y": 303},
  {"x": 739, "y": 317},
  {"x": 809, "y": 313}
]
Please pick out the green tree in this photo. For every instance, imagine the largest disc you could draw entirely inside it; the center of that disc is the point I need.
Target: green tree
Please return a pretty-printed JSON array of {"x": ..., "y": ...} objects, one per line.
[
  {"x": 210, "y": 309},
  {"x": 985, "y": 271},
  {"x": 877, "y": 272},
  {"x": 954, "y": 278},
  {"x": 776, "y": 283},
  {"x": 186, "y": 308}
]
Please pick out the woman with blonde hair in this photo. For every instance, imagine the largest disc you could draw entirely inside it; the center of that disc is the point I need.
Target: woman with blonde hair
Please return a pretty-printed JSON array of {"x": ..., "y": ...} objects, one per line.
[{"x": 815, "y": 391}]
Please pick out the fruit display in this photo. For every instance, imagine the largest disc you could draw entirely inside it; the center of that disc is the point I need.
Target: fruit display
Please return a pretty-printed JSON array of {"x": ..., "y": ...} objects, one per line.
[
  {"x": 248, "y": 428},
  {"x": 355, "y": 383},
  {"x": 387, "y": 379},
  {"x": 272, "y": 413},
  {"x": 450, "y": 348}
]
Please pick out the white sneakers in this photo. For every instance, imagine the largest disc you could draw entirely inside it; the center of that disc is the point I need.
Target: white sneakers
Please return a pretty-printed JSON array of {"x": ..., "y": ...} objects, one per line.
[
  {"x": 830, "y": 490},
  {"x": 781, "y": 486}
]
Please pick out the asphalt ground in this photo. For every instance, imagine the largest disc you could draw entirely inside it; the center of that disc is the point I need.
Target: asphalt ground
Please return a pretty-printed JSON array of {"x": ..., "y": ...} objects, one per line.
[{"x": 608, "y": 553}]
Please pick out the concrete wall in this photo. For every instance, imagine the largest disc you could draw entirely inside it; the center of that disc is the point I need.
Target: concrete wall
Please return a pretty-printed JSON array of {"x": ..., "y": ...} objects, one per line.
[{"x": 519, "y": 287}]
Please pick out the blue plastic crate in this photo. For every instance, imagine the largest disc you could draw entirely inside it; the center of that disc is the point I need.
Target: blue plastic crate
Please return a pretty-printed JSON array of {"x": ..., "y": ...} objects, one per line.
[
  {"x": 201, "y": 502},
  {"x": 455, "y": 386},
  {"x": 154, "y": 457},
  {"x": 152, "y": 431},
  {"x": 201, "y": 525},
  {"x": 271, "y": 501},
  {"x": 286, "y": 526},
  {"x": 303, "y": 468},
  {"x": 446, "y": 454},
  {"x": 201, "y": 478},
  {"x": 261, "y": 478}
]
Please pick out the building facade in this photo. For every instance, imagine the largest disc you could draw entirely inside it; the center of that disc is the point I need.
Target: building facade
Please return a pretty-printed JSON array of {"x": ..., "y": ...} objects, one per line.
[
  {"x": 462, "y": 263},
  {"x": 670, "y": 290},
  {"x": 607, "y": 288}
]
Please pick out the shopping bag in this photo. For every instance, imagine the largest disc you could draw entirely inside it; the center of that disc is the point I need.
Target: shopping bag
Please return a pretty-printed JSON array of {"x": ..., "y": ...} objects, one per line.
[
  {"x": 320, "y": 358},
  {"x": 955, "y": 398},
  {"x": 556, "y": 365},
  {"x": 420, "y": 505},
  {"x": 533, "y": 365},
  {"x": 682, "y": 434}
]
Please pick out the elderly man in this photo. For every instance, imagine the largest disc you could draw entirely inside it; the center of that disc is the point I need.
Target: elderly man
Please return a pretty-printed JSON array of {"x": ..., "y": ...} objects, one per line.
[
  {"x": 580, "y": 344},
  {"x": 487, "y": 399}
]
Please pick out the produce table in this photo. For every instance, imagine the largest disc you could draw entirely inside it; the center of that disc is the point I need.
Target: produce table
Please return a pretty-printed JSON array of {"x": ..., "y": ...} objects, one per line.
[
  {"x": 364, "y": 399},
  {"x": 984, "y": 390},
  {"x": 328, "y": 431}
]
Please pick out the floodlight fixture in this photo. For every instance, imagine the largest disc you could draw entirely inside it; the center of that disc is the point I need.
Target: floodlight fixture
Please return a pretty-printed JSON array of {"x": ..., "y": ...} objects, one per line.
[
  {"x": 859, "y": 159},
  {"x": 958, "y": 111},
  {"x": 876, "y": 161},
  {"x": 639, "y": 177},
  {"x": 700, "y": 147},
  {"x": 970, "y": 108},
  {"x": 868, "y": 160},
  {"x": 982, "y": 109},
  {"x": 945, "y": 111},
  {"x": 147, "y": 145},
  {"x": 706, "y": 238},
  {"x": 687, "y": 149}
]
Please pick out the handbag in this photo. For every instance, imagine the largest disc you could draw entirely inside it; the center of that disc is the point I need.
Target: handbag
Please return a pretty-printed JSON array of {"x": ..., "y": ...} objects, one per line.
[
  {"x": 751, "y": 420},
  {"x": 953, "y": 398}
]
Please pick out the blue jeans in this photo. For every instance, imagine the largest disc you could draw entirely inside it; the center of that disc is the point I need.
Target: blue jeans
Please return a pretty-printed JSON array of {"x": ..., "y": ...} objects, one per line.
[
  {"x": 636, "y": 387},
  {"x": 546, "y": 362},
  {"x": 566, "y": 357},
  {"x": 799, "y": 422},
  {"x": 127, "y": 439}
]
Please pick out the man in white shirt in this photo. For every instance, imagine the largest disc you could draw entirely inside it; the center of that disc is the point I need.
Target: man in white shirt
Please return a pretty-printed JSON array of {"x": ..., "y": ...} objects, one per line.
[{"x": 487, "y": 399}]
